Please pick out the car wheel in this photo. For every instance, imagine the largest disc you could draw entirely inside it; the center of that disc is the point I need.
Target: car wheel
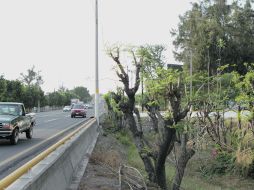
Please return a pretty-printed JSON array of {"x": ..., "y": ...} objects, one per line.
[
  {"x": 29, "y": 132},
  {"x": 14, "y": 137}
]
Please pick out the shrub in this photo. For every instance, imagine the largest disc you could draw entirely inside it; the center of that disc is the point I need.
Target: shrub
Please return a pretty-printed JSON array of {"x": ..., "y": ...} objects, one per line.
[{"x": 220, "y": 165}]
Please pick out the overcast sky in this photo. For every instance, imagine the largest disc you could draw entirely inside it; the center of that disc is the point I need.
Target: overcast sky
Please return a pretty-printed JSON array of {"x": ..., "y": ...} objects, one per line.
[{"x": 57, "y": 36}]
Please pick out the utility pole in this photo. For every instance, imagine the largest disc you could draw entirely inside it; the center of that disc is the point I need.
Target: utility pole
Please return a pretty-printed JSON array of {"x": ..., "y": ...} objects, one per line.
[
  {"x": 96, "y": 65},
  {"x": 208, "y": 70},
  {"x": 142, "y": 90},
  {"x": 191, "y": 75}
]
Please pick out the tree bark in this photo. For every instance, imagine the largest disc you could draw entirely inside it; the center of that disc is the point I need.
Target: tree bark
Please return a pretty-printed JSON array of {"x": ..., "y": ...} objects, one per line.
[
  {"x": 139, "y": 124},
  {"x": 152, "y": 114},
  {"x": 163, "y": 153},
  {"x": 185, "y": 156},
  {"x": 140, "y": 145}
]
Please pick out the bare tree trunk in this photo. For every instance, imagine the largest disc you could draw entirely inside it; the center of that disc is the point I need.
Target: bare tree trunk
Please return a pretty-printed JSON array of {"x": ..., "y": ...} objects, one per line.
[
  {"x": 185, "y": 156},
  {"x": 127, "y": 108},
  {"x": 239, "y": 117},
  {"x": 140, "y": 145},
  {"x": 140, "y": 126},
  {"x": 163, "y": 153},
  {"x": 120, "y": 123},
  {"x": 152, "y": 115}
]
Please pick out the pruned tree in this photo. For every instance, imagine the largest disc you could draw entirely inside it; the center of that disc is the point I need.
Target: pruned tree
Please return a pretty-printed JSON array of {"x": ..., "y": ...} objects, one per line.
[
  {"x": 171, "y": 88},
  {"x": 128, "y": 107}
]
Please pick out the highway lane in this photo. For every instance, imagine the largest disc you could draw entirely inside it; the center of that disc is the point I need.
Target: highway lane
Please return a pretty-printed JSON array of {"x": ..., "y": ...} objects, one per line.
[{"x": 48, "y": 125}]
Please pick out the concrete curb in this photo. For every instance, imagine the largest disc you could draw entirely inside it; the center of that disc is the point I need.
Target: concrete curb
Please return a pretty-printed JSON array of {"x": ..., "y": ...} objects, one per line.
[
  {"x": 80, "y": 170},
  {"x": 57, "y": 171}
]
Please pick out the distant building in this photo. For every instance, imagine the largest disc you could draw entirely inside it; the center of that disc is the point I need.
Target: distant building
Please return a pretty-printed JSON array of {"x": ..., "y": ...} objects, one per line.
[{"x": 175, "y": 66}]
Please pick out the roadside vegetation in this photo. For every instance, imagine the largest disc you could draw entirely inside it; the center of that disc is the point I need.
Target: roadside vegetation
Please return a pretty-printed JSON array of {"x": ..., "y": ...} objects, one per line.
[
  {"x": 121, "y": 150},
  {"x": 27, "y": 89},
  {"x": 189, "y": 108}
]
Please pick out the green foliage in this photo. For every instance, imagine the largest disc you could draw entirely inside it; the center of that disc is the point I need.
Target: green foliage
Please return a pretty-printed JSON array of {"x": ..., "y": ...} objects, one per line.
[
  {"x": 159, "y": 87},
  {"x": 82, "y": 93},
  {"x": 134, "y": 159},
  {"x": 30, "y": 92},
  {"x": 220, "y": 165},
  {"x": 216, "y": 33},
  {"x": 124, "y": 137},
  {"x": 31, "y": 96},
  {"x": 153, "y": 59},
  {"x": 2, "y": 88},
  {"x": 244, "y": 88},
  {"x": 184, "y": 127},
  {"x": 113, "y": 101},
  {"x": 14, "y": 91}
]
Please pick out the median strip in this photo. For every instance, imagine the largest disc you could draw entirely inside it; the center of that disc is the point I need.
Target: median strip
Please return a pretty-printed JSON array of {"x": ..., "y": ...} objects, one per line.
[{"x": 26, "y": 167}]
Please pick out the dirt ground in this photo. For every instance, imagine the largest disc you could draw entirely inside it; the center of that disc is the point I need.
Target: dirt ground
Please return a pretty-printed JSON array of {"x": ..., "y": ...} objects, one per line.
[
  {"x": 102, "y": 169},
  {"x": 102, "y": 172},
  {"x": 108, "y": 156}
]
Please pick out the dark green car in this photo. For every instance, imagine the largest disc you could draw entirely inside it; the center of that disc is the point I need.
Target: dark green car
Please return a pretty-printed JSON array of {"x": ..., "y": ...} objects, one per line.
[{"x": 14, "y": 120}]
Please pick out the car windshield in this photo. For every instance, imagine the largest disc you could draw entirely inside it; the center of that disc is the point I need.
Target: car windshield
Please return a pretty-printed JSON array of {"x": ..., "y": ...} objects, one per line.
[
  {"x": 7, "y": 109},
  {"x": 78, "y": 106}
]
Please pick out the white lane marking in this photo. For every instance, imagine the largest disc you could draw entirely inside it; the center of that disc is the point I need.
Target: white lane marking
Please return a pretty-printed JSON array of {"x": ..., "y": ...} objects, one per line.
[
  {"x": 50, "y": 120},
  {"x": 67, "y": 116},
  {"x": 42, "y": 116}
]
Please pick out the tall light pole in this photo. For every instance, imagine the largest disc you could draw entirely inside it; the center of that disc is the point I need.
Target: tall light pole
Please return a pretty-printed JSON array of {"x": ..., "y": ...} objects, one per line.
[
  {"x": 96, "y": 65},
  {"x": 191, "y": 74}
]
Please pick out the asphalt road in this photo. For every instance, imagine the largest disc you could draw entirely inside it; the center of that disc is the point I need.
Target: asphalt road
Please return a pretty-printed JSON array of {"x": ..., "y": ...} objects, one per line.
[{"x": 49, "y": 128}]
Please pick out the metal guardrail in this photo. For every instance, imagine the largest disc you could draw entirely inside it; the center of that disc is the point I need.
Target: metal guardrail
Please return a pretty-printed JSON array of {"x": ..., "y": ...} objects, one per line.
[{"x": 8, "y": 180}]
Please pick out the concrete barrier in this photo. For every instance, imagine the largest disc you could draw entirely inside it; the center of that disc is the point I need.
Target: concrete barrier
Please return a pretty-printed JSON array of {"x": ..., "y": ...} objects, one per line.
[{"x": 56, "y": 171}]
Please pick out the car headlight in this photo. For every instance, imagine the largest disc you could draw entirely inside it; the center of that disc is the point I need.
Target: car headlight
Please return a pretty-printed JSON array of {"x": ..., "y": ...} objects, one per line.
[{"x": 7, "y": 126}]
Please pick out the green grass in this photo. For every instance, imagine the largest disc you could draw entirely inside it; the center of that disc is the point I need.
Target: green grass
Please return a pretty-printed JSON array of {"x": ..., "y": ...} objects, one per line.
[
  {"x": 123, "y": 138},
  {"x": 193, "y": 180},
  {"x": 133, "y": 158}
]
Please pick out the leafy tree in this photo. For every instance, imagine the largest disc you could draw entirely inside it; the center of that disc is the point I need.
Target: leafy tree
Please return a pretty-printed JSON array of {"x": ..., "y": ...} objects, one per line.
[
  {"x": 2, "y": 88},
  {"x": 33, "y": 80},
  {"x": 63, "y": 96},
  {"x": 32, "y": 94},
  {"x": 113, "y": 101},
  {"x": 168, "y": 86},
  {"x": 82, "y": 93},
  {"x": 56, "y": 99},
  {"x": 128, "y": 107},
  {"x": 70, "y": 95},
  {"x": 32, "y": 77},
  {"x": 14, "y": 91},
  {"x": 214, "y": 33}
]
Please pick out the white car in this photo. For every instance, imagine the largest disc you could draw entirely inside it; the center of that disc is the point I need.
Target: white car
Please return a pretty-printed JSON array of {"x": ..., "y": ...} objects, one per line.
[{"x": 67, "y": 108}]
